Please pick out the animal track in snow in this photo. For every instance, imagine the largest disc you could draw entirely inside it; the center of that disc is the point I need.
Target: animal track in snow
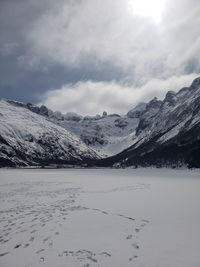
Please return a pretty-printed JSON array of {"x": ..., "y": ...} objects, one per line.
[
  {"x": 135, "y": 245},
  {"x": 17, "y": 246},
  {"x": 129, "y": 237},
  {"x": 85, "y": 255},
  {"x": 39, "y": 251},
  {"x": 3, "y": 254}
]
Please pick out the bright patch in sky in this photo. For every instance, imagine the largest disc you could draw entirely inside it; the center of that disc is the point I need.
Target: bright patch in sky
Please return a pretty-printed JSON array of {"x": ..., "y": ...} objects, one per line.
[{"x": 150, "y": 8}]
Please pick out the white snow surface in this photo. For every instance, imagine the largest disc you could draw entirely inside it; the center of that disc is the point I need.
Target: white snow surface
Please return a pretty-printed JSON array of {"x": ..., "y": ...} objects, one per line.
[{"x": 100, "y": 217}]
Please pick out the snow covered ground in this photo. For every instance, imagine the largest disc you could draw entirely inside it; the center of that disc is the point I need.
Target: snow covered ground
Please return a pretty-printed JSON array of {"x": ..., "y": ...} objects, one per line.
[{"x": 112, "y": 218}]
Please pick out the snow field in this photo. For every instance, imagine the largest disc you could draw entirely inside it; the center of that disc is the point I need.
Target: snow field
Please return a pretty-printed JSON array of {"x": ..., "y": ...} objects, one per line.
[{"x": 102, "y": 217}]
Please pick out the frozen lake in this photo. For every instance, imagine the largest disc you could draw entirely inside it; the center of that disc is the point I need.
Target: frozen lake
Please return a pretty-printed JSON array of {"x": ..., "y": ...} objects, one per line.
[{"x": 112, "y": 218}]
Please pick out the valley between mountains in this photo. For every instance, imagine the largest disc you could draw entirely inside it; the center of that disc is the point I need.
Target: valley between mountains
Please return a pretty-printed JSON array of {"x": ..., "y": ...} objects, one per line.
[{"x": 158, "y": 133}]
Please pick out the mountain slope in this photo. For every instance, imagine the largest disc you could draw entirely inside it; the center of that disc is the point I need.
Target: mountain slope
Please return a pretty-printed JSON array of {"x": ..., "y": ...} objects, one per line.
[
  {"x": 169, "y": 136},
  {"x": 108, "y": 134},
  {"x": 29, "y": 139},
  {"x": 158, "y": 133}
]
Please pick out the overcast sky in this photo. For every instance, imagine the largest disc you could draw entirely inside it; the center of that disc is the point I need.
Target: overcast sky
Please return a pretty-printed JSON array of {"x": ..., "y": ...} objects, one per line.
[{"x": 87, "y": 56}]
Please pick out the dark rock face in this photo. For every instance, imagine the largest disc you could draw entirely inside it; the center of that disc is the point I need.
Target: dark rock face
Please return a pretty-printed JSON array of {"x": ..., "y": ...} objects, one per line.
[
  {"x": 137, "y": 111},
  {"x": 43, "y": 111},
  {"x": 153, "y": 104},
  {"x": 170, "y": 99},
  {"x": 33, "y": 108},
  {"x": 151, "y": 110},
  {"x": 93, "y": 140},
  {"x": 121, "y": 123},
  {"x": 105, "y": 114},
  {"x": 195, "y": 84}
]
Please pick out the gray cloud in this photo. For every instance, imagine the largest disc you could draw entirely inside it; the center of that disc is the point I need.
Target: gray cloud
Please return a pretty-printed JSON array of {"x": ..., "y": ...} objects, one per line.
[
  {"x": 77, "y": 44},
  {"x": 95, "y": 97},
  {"x": 107, "y": 31}
]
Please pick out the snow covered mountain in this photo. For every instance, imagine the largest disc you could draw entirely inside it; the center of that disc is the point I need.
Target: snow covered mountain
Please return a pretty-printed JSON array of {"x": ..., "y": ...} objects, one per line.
[
  {"x": 155, "y": 133},
  {"x": 168, "y": 133},
  {"x": 106, "y": 134},
  {"x": 27, "y": 138}
]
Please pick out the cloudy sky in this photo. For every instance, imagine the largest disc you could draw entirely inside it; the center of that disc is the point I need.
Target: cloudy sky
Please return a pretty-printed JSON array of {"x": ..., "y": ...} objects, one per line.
[{"x": 87, "y": 56}]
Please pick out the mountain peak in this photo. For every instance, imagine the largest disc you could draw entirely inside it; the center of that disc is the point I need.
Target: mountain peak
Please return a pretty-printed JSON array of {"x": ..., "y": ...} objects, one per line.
[
  {"x": 154, "y": 104},
  {"x": 137, "y": 111},
  {"x": 196, "y": 83},
  {"x": 170, "y": 98}
]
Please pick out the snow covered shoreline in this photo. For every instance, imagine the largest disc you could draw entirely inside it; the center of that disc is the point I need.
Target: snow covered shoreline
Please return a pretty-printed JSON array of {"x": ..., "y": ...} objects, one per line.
[{"x": 66, "y": 167}]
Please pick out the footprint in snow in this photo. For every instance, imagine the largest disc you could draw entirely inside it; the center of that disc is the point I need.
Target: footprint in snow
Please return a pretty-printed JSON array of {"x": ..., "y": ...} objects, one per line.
[
  {"x": 42, "y": 259},
  {"x": 46, "y": 239},
  {"x": 31, "y": 239},
  {"x": 135, "y": 246},
  {"x": 39, "y": 251},
  {"x": 3, "y": 254},
  {"x": 132, "y": 258},
  {"x": 104, "y": 212},
  {"x": 129, "y": 237},
  {"x": 17, "y": 246},
  {"x": 32, "y": 232}
]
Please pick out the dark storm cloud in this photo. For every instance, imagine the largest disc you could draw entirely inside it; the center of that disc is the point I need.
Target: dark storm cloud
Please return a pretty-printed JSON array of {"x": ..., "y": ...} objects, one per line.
[
  {"x": 54, "y": 50},
  {"x": 16, "y": 18},
  {"x": 25, "y": 75}
]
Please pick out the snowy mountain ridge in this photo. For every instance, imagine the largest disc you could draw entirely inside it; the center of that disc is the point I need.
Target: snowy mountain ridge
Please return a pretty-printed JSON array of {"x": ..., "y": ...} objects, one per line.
[
  {"x": 29, "y": 139},
  {"x": 168, "y": 132},
  {"x": 129, "y": 138},
  {"x": 106, "y": 134}
]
